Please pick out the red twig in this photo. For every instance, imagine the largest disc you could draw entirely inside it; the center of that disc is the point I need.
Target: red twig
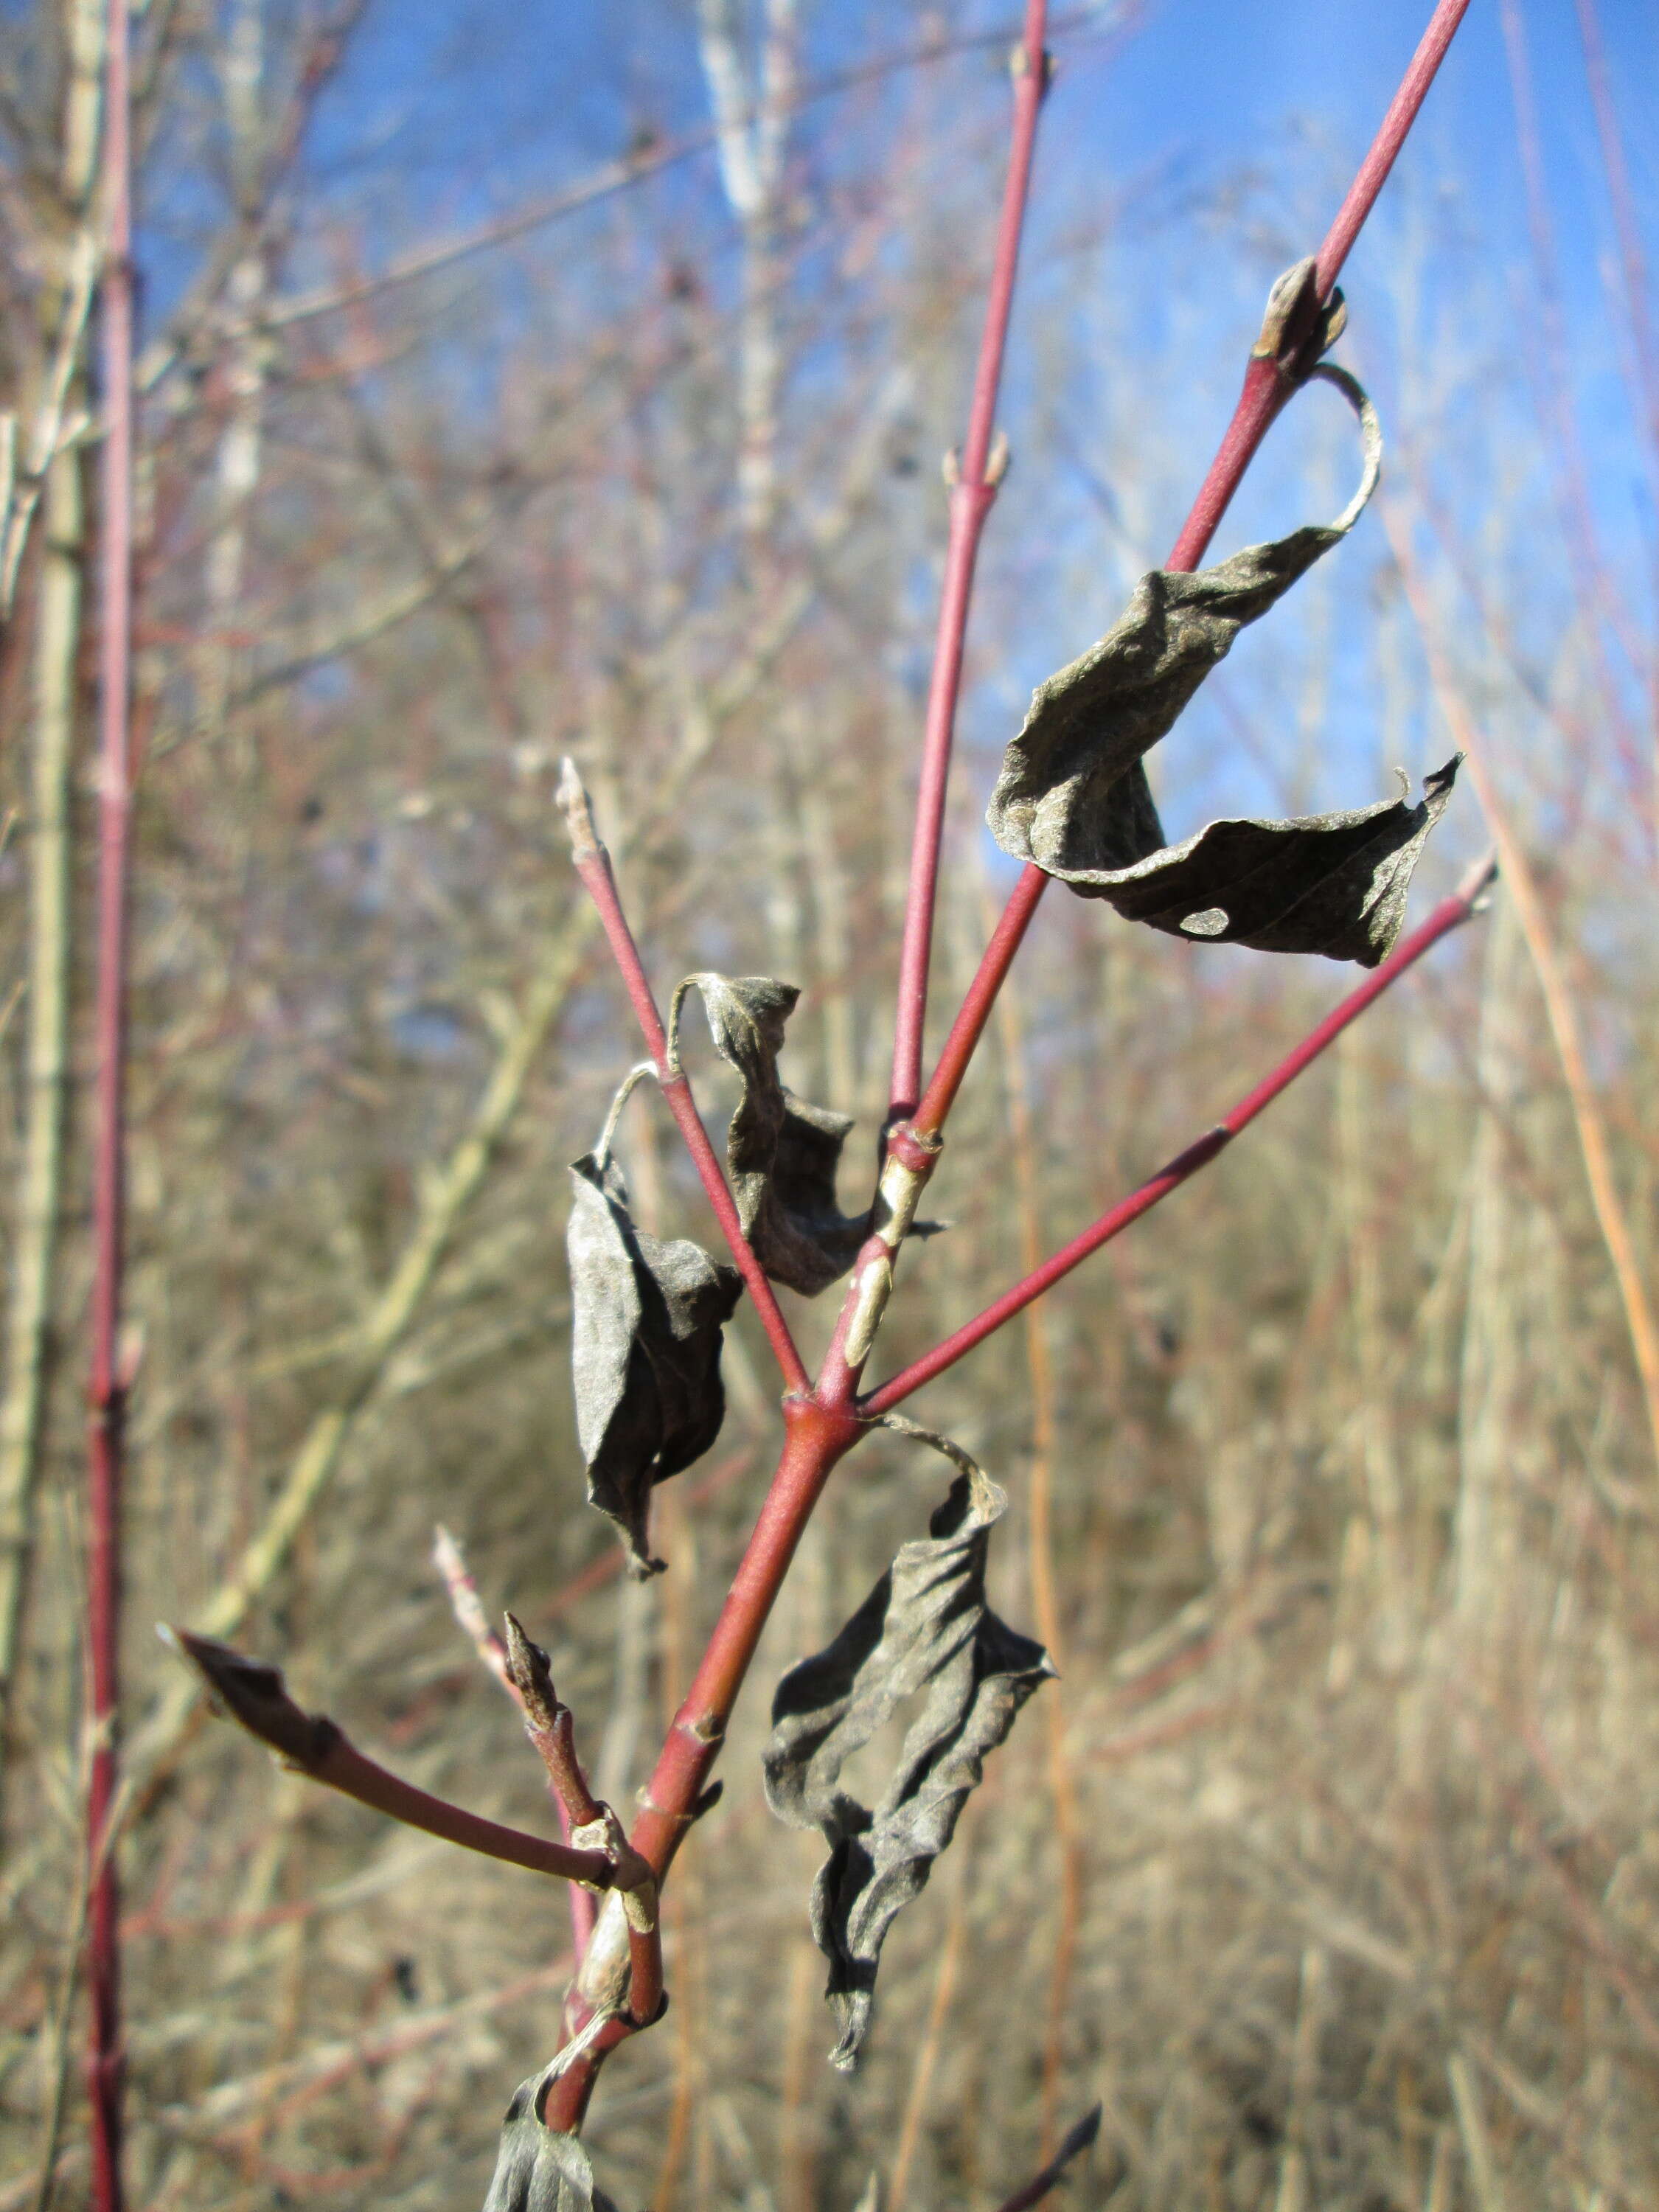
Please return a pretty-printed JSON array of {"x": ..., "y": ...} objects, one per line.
[
  {"x": 255, "y": 1696},
  {"x": 970, "y": 1025},
  {"x": 1275, "y": 370},
  {"x": 592, "y": 864},
  {"x": 1396, "y": 124},
  {"x": 972, "y": 495},
  {"x": 468, "y": 1610},
  {"x": 1446, "y": 916},
  {"x": 108, "y": 1385}
]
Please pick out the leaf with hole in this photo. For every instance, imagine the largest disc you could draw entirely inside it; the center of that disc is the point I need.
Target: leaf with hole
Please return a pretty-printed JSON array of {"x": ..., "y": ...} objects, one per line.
[
  {"x": 1073, "y": 798},
  {"x": 646, "y": 1322},
  {"x": 924, "y": 1632}
]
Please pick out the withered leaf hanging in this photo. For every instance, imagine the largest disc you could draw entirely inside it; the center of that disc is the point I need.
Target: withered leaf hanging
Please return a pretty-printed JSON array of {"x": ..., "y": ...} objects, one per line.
[
  {"x": 536, "y": 2170},
  {"x": 1072, "y": 796},
  {"x": 925, "y": 1632},
  {"x": 646, "y": 1318},
  {"x": 781, "y": 1154}
]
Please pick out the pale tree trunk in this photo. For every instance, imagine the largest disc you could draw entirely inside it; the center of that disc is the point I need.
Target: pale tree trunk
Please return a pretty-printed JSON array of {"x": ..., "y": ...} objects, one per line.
[
  {"x": 247, "y": 360},
  {"x": 56, "y": 645},
  {"x": 750, "y": 100}
]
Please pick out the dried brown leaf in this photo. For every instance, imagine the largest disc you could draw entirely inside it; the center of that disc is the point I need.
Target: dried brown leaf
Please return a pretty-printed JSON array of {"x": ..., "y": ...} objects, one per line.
[
  {"x": 536, "y": 2170},
  {"x": 781, "y": 1153},
  {"x": 925, "y": 1632},
  {"x": 646, "y": 1322},
  {"x": 1072, "y": 796}
]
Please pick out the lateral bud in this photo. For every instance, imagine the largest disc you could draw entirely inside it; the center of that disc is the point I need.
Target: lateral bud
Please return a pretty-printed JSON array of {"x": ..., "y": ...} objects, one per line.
[
  {"x": 1296, "y": 327},
  {"x": 1019, "y": 65},
  {"x": 531, "y": 1673}
]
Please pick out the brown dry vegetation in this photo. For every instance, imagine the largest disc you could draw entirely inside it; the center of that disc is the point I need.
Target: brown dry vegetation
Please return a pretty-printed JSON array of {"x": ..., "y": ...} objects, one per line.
[{"x": 1354, "y": 1540}]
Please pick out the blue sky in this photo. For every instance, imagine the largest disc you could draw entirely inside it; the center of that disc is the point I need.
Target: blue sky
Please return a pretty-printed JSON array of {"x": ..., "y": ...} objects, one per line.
[{"x": 1228, "y": 133}]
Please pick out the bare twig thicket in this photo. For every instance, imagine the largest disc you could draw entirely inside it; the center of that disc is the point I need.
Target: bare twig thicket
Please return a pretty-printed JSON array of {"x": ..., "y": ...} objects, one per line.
[{"x": 1272, "y": 1952}]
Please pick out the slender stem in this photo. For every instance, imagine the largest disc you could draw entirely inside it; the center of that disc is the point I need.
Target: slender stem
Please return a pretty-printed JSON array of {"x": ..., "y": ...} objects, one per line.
[
  {"x": 592, "y": 864},
  {"x": 1270, "y": 379},
  {"x": 256, "y": 1697},
  {"x": 550, "y": 1726},
  {"x": 1403, "y": 109},
  {"x": 969, "y": 1023},
  {"x": 1069, "y": 1864},
  {"x": 468, "y": 1608},
  {"x": 108, "y": 1384},
  {"x": 972, "y": 497},
  {"x": 345, "y": 1768},
  {"x": 1447, "y": 915}
]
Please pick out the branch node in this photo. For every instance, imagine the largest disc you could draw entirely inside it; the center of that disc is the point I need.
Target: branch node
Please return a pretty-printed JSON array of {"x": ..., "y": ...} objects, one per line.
[
  {"x": 631, "y": 1876},
  {"x": 1019, "y": 66},
  {"x": 1297, "y": 326}
]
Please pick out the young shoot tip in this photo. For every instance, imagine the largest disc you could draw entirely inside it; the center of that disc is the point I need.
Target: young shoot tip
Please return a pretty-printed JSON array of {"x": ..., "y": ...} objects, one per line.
[{"x": 571, "y": 799}]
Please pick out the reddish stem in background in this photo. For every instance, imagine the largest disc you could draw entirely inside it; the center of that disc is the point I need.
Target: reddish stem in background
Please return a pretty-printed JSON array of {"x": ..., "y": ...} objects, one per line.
[
  {"x": 971, "y": 500},
  {"x": 1446, "y": 916},
  {"x": 108, "y": 1386},
  {"x": 1269, "y": 382},
  {"x": 592, "y": 864}
]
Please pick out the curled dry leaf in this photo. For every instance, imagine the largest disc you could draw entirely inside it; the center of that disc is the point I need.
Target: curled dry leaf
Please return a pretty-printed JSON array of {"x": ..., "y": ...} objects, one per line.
[
  {"x": 1072, "y": 796},
  {"x": 536, "y": 2170},
  {"x": 925, "y": 1632},
  {"x": 646, "y": 1318},
  {"x": 781, "y": 1153},
  {"x": 1334, "y": 884}
]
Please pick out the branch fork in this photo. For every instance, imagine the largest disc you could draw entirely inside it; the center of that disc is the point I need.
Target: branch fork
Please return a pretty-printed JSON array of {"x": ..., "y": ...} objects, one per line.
[{"x": 594, "y": 1827}]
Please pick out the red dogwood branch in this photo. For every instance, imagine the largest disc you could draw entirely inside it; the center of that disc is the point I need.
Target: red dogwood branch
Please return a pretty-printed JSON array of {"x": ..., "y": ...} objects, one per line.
[
  {"x": 592, "y": 864},
  {"x": 972, "y": 497},
  {"x": 823, "y": 1423},
  {"x": 1447, "y": 915},
  {"x": 255, "y": 1696},
  {"x": 1279, "y": 364},
  {"x": 107, "y": 1392}
]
